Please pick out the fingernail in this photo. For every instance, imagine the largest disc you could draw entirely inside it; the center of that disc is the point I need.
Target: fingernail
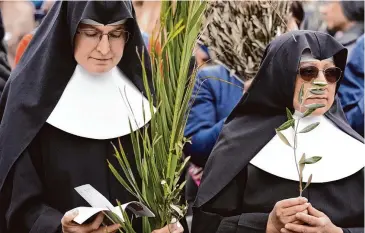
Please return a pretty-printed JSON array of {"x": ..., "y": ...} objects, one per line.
[
  {"x": 178, "y": 224},
  {"x": 75, "y": 212},
  {"x": 305, "y": 199}
]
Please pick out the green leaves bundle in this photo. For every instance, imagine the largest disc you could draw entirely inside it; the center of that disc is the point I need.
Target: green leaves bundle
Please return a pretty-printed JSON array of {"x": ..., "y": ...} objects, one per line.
[{"x": 158, "y": 150}]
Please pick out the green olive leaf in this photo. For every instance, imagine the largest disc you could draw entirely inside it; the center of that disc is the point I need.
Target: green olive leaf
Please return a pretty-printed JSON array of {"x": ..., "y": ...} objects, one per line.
[
  {"x": 308, "y": 182},
  {"x": 309, "y": 127},
  {"x": 283, "y": 138},
  {"x": 312, "y": 160},
  {"x": 286, "y": 125},
  {"x": 320, "y": 83},
  {"x": 301, "y": 93},
  {"x": 316, "y": 91},
  {"x": 289, "y": 114},
  {"x": 314, "y": 106}
]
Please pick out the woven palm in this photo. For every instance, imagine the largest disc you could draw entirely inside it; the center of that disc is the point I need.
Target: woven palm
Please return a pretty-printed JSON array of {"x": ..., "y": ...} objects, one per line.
[{"x": 238, "y": 32}]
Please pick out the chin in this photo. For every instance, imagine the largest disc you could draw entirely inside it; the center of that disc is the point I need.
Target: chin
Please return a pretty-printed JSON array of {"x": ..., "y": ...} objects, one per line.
[
  {"x": 320, "y": 111},
  {"x": 99, "y": 69}
]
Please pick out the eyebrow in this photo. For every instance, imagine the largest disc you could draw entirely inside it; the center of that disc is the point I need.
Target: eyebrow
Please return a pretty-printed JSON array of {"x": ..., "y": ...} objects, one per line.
[{"x": 88, "y": 26}]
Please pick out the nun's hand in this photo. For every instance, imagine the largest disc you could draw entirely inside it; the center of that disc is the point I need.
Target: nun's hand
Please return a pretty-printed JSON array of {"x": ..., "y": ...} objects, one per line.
[
  {"x": 285, "y": 212},
  {"x": 171, "y": 228},
  {"x": 317, "y": 222},
  {"x": 68, "y": 226}
]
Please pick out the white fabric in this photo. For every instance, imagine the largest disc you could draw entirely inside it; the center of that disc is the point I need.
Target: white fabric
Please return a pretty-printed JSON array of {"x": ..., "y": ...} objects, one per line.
[
  {"x": 341, "y": 154},
  {"x": 308, "y": 57},
  {"x": 100, "y": 106},
  {"x": 92, "y": 22}
]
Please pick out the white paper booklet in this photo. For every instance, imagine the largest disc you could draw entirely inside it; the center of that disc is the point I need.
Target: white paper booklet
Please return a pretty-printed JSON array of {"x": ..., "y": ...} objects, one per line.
[{"x": 99, "y": 203}]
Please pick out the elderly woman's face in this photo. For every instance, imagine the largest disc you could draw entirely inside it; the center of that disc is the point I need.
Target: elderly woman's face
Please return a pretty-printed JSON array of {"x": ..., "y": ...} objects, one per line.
[
  {"x": 328, "y": 74},
  {"x": 99, "y": 48}
]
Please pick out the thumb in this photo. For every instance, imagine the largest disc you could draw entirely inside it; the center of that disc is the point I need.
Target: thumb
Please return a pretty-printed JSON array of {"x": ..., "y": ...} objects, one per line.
[
  {"x": 314, "y": 212},
  {"x": 69, "y": 216}
]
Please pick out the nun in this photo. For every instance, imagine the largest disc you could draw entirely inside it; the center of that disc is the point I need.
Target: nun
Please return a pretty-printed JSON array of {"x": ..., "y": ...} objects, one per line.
[
  {"x": 71, "y": 95},
  {"x": 250, "y": 183}
]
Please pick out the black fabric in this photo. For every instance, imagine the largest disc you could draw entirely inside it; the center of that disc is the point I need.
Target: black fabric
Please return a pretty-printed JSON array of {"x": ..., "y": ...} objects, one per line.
[
  {"x": 353, "y": 10},
  {"x": 37, "y": 83},
  {"x": 262, "y": 109},
  {"x": 29, "y": 97},
  {"x": 243, "y": 206},
  {"x": 42, "y": 180}
]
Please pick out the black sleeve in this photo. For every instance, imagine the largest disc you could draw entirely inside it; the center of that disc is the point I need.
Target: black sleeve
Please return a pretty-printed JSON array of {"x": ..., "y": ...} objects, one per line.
[
  {"x": 223, "y": 214},
  {"x": 27, "y": 211},
  {"x": 353, "y": 230}
]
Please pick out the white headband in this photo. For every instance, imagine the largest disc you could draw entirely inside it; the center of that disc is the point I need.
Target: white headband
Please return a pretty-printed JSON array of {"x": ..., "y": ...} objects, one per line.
[
  {"x": 92, "y": 22},
  {"x": 307, "y": 57}
]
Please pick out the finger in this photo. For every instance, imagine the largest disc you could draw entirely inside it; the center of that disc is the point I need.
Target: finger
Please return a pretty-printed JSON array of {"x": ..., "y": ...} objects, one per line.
[
  {"x": 295, "y": 209},
  {"x": 283, "y": 230},
  {"x": 298, "y": 222},
  {"x": 313, "y": 211},
  {"x": 176, "y": 228},
  {"x": 301, "y": 228},
  {"x": 113, "y": 228},
  {"x": 180, "y": 230},
  {"x": 95, "y": 225},
  {"x": 311, "y": 220},
  {"x": 292, "y": 202},
  {"x": 288, "y": 219},
  {"x": 107, "y": 229},
  {"x": 69, "y": 217}
]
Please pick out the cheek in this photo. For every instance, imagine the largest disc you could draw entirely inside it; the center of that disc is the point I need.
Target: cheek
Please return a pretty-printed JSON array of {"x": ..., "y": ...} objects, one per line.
[
  {"x": 118, "y": 53},
  {"x": 82, "y": 52},
  {"x": 331, "y": 93}
]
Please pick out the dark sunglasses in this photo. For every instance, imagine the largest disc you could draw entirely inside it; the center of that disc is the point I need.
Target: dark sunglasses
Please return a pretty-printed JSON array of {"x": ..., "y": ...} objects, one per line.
[{"x": 308, "y": 73}]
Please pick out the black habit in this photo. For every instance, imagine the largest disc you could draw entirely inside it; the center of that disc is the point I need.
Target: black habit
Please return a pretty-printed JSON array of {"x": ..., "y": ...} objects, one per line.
[
  {"x": 237, "y": 197},
  {"x": 41, "y": 165}
]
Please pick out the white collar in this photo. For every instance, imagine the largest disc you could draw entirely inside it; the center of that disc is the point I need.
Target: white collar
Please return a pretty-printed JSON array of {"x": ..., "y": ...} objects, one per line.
[
  {"x": 100, "y": 106},
  {"x": 341, "y": 154}
]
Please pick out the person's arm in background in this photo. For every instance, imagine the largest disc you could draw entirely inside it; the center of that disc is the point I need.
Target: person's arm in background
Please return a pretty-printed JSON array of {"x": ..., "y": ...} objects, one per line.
[
  {"x": 202, "y": 125},
  {"x": 18, "y": 18},
  {"x": 351, "y": 91}
]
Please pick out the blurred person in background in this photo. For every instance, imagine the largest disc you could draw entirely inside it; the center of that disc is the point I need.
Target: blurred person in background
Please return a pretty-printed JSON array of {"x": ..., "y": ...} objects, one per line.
[
  {"x": 351, "y": 91},
  {"x": 312, "y": 16},
  {"x": 41, "y": 9},
  {"x": 4, "y": 65},
  {"x": 345, "y": 20},
  {"x": 18, "y": 19}
]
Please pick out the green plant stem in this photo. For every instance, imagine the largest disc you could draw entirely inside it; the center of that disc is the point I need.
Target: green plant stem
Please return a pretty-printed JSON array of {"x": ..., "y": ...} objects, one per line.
[{"x": 295, "y": 158}]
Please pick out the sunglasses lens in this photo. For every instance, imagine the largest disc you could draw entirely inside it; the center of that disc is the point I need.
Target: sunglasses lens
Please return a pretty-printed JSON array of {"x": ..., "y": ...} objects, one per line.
[
  {"x": 308, "y": 73},
  {"x": 332, "y": 74}
]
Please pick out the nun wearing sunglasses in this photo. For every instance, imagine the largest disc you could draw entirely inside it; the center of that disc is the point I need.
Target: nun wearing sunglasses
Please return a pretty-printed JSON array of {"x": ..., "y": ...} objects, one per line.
[{"x": 250, "y": 183}]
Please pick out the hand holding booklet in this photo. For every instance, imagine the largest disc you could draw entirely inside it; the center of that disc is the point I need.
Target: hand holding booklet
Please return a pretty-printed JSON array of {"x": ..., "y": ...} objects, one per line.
[{"x": 100, "y": 204}]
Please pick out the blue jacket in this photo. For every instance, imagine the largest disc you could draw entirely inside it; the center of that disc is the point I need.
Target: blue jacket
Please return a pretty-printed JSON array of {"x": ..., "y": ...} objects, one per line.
[
  {"x": 213, "y": 102},
  {"x": 351, "y": 91}
]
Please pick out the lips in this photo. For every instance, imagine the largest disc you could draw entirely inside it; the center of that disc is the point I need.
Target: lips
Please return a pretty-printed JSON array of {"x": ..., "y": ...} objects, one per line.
[
  {"x": 318, "y": 98},
  {"x": 102, "y": 59}
]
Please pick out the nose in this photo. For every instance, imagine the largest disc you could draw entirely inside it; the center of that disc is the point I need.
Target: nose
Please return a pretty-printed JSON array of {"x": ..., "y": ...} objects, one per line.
[
  {"x": 321, "y": 77},
  {"x": 104, "y": 45}
]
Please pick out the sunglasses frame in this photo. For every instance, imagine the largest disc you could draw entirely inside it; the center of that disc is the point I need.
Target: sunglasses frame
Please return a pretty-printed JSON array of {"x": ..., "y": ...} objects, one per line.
[{"x": 298, "y": 72}]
